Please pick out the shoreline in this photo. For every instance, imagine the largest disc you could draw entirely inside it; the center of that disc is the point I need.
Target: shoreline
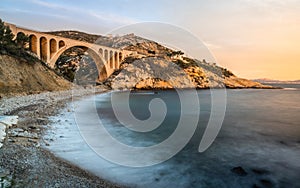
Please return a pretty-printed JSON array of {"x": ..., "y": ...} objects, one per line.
[
  {"x": 234, "y": 170},
  {"x": 23, "y": 161},
  {"x": 19, "y": 148}
]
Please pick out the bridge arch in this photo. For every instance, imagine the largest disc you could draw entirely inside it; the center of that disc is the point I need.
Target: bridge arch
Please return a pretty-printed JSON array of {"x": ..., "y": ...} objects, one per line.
[
  {"x": 111, "y": 59},
  {"x": 20, "y": 33},
  {"x": 99, "y": 61},
  {"x": 20, "y": 39},
  {"x": 33, "y": 44},
  {"x": 120, "y": 57},
  {"x": 116, "y": 58},
  {"x": 44, "y": 48},
  {"x": 106, "y": 55},
  {"x": 101, "y": 52},
  {"x": 53, "y": 47},
  {"x": 61, "y": 44}
]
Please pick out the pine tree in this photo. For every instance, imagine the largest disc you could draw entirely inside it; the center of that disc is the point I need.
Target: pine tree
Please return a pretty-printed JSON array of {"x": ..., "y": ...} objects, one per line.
[
  {"x": 6, "y": 39},
  {"x": 6, "y": 36},
  {"x": 15, "y": 48}
]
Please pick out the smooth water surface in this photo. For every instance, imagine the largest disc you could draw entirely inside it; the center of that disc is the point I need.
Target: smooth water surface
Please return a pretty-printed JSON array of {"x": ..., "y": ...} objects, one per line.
[{"x": 260, "y": 133}]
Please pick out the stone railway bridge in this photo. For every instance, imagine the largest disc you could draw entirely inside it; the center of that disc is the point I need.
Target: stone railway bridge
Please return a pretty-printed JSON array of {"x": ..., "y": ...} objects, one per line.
[{"x": 49, "y": 47}]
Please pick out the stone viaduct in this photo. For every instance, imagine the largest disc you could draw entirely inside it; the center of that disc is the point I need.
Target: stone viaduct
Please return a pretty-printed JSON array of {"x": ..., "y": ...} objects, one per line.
[{"x": 49, "y": 47}]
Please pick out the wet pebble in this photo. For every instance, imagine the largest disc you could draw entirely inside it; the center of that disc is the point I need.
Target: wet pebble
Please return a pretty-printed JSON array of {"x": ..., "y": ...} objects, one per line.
[
  {"x": 239, "y": 171},
  {"x": 266, "y": 183}
]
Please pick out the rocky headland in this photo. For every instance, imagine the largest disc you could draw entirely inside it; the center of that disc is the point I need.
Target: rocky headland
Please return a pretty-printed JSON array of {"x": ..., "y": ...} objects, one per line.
[
  {"x": 152, "y": 63},
  {"x": 165, "y": 73}
]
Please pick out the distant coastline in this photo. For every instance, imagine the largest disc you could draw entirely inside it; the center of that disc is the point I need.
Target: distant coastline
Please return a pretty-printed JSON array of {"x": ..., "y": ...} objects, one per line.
[{"x": 271, "y": 81}]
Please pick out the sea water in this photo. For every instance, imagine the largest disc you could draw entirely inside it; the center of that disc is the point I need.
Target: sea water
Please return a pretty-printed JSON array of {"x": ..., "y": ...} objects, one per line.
[{"x": 260, "y": 133}]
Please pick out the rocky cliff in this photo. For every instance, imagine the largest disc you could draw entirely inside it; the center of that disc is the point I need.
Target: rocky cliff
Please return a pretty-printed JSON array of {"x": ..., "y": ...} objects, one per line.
[
  {"x": 166, "y": 73},
  {"x": 151, "y": 72}
]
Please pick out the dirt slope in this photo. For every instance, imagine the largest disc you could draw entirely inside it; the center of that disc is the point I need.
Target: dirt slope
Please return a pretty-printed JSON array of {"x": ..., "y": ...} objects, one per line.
[{"x": 18, "y": 77}]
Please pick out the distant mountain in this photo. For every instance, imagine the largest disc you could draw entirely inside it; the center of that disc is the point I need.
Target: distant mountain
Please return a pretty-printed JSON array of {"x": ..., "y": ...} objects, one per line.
[{"x": 271, "y": 81}]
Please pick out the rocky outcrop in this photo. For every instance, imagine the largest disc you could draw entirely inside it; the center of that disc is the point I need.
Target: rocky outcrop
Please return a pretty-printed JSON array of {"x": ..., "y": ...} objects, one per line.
[
  {"x": 167, "y": 73},
  {"x": 208, "y": 75},
  {"x": 151, "y": 83},
  {"x": 198, "y": 77},
  {"x": 151, "y": 73},
  {"x": 6, "y": 122},
  {"x": 235, "y": 82}
]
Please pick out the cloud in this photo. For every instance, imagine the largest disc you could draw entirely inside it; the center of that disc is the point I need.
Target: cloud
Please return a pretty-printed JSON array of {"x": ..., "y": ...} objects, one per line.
[
  {"x": 273, "y": 5},
  {"x": 16, "y": 10},
  {"x": 108, "y": 17},
  {"x": 46, "y": 4},
  {"x": 102, "y": 16}
]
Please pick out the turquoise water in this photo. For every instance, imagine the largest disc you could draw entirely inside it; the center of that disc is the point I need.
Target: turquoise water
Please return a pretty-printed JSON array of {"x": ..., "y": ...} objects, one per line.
[{"x": 260, "y": 133}]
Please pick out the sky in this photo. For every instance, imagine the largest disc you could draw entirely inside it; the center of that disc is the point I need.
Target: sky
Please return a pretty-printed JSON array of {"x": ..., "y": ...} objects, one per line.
[{"x": 253, "y": 38}]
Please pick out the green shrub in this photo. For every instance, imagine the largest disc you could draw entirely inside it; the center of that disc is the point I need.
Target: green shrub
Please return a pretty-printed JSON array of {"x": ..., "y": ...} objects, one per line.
[{"x": 15, "y": 48}]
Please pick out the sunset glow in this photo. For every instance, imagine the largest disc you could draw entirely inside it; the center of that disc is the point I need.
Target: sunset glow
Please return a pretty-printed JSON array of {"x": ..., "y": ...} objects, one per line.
[{"x": 254, "y": 39}]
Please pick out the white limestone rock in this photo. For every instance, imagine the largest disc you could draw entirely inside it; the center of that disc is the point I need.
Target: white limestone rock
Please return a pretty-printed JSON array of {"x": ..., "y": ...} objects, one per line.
[
  {"x": 148, "y": 68},
  {"x": 6, "y": 122}
]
